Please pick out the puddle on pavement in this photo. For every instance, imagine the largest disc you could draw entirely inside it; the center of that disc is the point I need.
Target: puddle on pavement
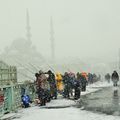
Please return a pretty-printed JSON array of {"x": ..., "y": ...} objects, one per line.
[{"x": 105, "y": 101}]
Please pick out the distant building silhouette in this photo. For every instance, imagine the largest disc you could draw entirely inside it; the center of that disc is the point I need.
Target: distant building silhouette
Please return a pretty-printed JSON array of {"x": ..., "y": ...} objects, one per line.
[
  {"x": 28, "y": 28},
  {"x": 52, "y": 40}
]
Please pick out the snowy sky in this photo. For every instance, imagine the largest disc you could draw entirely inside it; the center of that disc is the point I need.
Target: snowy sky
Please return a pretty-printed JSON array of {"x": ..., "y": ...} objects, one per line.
[{"x": 83, "y": 28}]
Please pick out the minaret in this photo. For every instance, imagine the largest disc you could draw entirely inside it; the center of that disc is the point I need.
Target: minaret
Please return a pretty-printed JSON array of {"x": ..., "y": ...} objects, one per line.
[
  {"x": 119, "y": 61},
  {"x": 52, "y": 40},
  {"x": 28, "y": 28}
]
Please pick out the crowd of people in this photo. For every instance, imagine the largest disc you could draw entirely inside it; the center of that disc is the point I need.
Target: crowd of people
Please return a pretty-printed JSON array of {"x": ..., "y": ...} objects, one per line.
[
  {"x": 69, "y": 85},
  {"x": 114, "y": 77}
]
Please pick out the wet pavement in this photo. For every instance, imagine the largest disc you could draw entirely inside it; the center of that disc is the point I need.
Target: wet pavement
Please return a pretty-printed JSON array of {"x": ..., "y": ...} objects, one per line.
[{"x": 106, "y": 100}]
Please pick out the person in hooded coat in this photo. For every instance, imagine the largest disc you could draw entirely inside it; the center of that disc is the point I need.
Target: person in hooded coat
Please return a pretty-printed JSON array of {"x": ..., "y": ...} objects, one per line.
[
  {"x": 26, "y": 100},
  {"x": 90, "y": 78},
  {"x": 59, "y": 82},
  {"x": 52, "y": 83},
  {"x": 77, "y": 87},
  {"x": 83, "y": 82},
  {"x": 115, "y": 78},
  {"x": 42, "y": 96},
  {"x": 107, "y": 77},
  {"x": 42, "y": 88},
  {"x": 67, "y": 85}
]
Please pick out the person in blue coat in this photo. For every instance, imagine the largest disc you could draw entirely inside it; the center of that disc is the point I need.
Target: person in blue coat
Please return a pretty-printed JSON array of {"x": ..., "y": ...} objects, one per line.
[{"x": 26, "y": 101}]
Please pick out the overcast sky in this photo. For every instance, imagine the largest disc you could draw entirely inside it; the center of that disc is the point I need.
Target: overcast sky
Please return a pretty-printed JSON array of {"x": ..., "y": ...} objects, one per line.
[{"x": 83, "y": 28}]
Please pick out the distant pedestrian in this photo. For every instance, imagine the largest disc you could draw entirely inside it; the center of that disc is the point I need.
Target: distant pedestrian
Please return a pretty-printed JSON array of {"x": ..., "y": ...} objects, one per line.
[
  {"x": 67, "y": 85},
  {"x": 83, "y": 82},
  {"x": 115, "y": 78},
  {"x": 77, "y": 87},
  {"x": 107, "y": 77}
]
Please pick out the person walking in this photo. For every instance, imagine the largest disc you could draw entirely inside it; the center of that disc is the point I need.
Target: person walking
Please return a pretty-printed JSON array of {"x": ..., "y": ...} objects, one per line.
[{"x": 115, "y": 78}]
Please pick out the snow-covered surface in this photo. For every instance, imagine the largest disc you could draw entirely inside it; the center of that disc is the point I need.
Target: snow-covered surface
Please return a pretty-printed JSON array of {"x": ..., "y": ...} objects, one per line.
[
  {"x": 60, "y": 103},
  {"x": 35, "y": 113},
  {"x": 12, "y": 115},
  {"x": 70, "y": 113},
  {"x": 96, "y": 86},
  {"x": 101, "y": 84}
]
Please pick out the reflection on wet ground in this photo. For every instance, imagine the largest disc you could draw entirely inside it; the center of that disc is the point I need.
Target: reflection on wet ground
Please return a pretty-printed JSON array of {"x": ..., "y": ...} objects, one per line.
[{"x": 106, "y": 101}]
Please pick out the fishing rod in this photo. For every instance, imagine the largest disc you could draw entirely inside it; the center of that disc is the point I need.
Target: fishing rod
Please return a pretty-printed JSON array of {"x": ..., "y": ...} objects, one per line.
[
  {"x": 50, "y": 67},
  {"x": 17, "y": 62},
  {"x": 26, "y": 76},
  {"x": 24, "y": 66},
  {"x": 68, "y": 69},
  {"x": 21, "y": 64},
  {"x": 44, "y": 60},
  {"x": 28, "y": 67},
  {"x": 30, "y": 64},
  {"x": 33, "y": 66}
]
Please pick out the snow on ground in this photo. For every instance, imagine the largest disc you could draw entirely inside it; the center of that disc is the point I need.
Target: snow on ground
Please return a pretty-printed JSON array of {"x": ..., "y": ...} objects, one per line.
[
  {"x": 101, "y": 84},
  {"x": 35, "y": 113},
  {"x": 70, "y": 113},
  {"x": 96, "y": 86},
  {"x": 60, "y": 103}
]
